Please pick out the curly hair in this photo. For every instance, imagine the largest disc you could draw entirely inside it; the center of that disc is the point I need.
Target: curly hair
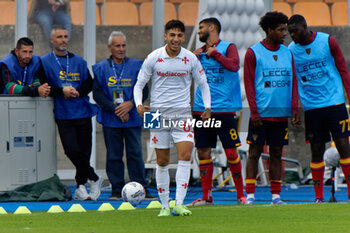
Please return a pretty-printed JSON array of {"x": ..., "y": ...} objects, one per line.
[{"x": 272, "y": 20}]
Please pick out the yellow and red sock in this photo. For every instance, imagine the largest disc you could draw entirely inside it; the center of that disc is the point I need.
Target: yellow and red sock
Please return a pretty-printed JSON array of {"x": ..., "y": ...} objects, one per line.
[
  {"x": 275, "y": 186},
  {"x": 234, "y": 163},
  {"x": 317, "y": 171},
  {"x": 345, "y": 166},
  {"x": 250, "y": 185},
  {"x": 206, "y": 170}
]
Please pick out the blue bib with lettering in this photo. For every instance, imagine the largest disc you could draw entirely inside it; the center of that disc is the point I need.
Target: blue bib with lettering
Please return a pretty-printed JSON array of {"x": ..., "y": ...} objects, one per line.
[
  {"x": 320, "y": 84},
  {"x": 225, "y": 88},
  {"x": 104, "y": 73},
  {"x": 17, "y": 71},
  {"x": 273, "y": 81},
  {"x": 75, "y": 108}
]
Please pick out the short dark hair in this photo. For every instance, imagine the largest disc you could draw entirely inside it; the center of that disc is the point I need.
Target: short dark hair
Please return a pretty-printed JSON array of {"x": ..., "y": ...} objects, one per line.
[
  {"x": 272, "y": 20},
  {"x": 24, "y": 41},
  {"x": 174, "y": 23},
  {"x": 297, "y": 19},
  {"x": 214, "y": 21}
]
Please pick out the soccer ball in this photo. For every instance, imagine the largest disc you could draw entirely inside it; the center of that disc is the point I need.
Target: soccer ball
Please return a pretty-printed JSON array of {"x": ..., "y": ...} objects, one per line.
[
  {"x": 331, "y": 157},
  {"x": 134, "y": 193}
]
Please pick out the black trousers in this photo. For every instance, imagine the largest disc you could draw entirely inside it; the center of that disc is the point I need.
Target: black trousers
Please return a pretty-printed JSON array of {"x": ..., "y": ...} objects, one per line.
[{"x": 76, "y": 139}]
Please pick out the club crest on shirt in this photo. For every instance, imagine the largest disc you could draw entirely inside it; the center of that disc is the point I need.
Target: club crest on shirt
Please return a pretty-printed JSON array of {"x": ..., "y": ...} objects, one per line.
[
  {"x": 185, "y": 60},
  {"x": 308, "y": 51},
  {"x": 275, "y": 57},
  {"x": 255, "y": 137}
]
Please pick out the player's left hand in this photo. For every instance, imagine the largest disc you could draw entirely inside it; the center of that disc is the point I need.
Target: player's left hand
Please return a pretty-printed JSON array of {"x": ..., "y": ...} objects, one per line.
[
  {"x": 198, "y": 52},
  {"x": 124, "y": 108},
  {"x": 211, "y": 49},
  {"x": 296, "y": 120},
  {"x": 206, "y": 114}
]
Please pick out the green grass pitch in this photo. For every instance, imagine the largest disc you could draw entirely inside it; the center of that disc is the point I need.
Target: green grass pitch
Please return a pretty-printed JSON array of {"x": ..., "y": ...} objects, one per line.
[{"x": 294, "y": 218}]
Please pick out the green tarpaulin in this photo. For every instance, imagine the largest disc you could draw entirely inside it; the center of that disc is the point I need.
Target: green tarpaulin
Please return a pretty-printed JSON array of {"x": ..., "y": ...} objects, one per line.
[{"x": 47, "y": 190}]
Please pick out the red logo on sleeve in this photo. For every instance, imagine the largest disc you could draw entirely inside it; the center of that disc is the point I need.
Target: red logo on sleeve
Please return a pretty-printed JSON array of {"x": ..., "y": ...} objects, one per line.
[{"x": 201, "y": 71}]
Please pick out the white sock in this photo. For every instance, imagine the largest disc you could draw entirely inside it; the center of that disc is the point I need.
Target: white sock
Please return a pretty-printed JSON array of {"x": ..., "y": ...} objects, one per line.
[
  {"x": 182, "y": 177},
  {"x": 163, "y": 180},
  {"x": 251, "y": 195},
  {"x": 274, "y": 196}
]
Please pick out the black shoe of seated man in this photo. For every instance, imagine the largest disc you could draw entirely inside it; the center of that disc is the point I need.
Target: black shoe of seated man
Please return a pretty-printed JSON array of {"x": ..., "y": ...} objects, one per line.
[
  {"x": 150, "y": 197},
  {"x": 115, "y": 196}
]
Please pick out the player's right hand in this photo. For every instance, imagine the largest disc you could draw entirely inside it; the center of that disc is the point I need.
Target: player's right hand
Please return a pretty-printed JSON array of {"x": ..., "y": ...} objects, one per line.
[
  {"x": 206, "y": 114},
  {"x": 257, "y": 122},
  {"x": 296, "y": 120},
  {"x": 142, "y": 108}
]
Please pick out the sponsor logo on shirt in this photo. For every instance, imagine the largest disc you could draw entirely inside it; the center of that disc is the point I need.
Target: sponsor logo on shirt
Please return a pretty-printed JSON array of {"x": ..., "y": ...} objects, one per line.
[
  {"x": 125, "y": 82},
  {"x": 178, "y": 73},
  {"x": 277, "y": 83},
  {"x": 71, "y": 76},
  {"x": 313, "y": 70}
]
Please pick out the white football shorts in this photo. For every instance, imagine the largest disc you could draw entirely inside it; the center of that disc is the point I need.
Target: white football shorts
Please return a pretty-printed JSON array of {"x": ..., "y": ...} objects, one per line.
[{"x": 167, "y": 136}]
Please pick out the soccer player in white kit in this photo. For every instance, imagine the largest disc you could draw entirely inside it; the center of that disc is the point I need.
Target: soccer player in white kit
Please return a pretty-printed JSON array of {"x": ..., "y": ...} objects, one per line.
[{"x": 172, "y": 68}]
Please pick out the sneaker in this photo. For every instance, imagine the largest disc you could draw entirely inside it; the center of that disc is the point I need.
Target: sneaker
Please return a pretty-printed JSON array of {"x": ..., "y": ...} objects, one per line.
[
  {"x": 181, "y": 210},
  {"x": 319, "y": 200},
  {"x": 200, "y": 202},
  {"x": 241, "y": 200},
  {"x": 115, "y": 196},
  {"x": 278, "y": 201},
  {"x": 164, "y": 212},
  {"x": 81, "y": 194},
  {"x": 95, "y": 188},
  {"x": 150, "y": 197},
  {"x": 250, "y": 201}
]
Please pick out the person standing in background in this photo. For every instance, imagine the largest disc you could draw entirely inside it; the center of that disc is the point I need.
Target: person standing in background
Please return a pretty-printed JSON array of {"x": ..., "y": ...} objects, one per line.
[
  {"x": 113, "y": 86},
  {"x": 220, "y": 62},
  {"x": 71, "y": 82},
  {"x": 322, "y": 73},
  {"x": 272, "y": 93}
]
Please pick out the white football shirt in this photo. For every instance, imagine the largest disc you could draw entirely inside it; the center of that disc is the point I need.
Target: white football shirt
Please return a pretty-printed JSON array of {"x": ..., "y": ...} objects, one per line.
[{"x": 171, "y": 77}]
